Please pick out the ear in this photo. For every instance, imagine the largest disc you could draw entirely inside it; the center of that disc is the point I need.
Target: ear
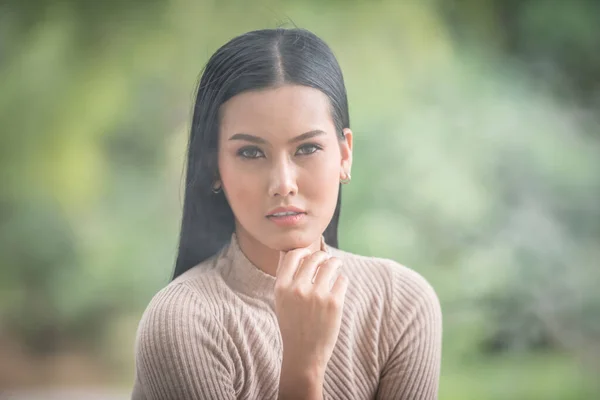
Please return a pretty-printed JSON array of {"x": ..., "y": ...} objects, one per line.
[{"x": 346, "y": 152}]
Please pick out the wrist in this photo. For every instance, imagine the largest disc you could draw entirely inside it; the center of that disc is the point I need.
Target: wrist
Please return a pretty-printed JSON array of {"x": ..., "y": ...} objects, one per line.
[{"x": 297, "y": 382}]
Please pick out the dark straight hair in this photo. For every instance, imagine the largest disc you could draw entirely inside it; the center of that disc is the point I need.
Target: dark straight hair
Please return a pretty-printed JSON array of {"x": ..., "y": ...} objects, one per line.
[{"x": 253, "y": 61}]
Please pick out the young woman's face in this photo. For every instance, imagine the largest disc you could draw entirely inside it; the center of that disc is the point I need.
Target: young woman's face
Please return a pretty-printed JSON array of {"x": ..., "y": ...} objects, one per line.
[{"x": 278, "y": 149}]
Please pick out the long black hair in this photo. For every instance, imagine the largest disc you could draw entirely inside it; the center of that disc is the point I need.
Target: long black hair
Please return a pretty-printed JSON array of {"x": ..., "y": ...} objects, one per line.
[{"x": 255, "y": 60}]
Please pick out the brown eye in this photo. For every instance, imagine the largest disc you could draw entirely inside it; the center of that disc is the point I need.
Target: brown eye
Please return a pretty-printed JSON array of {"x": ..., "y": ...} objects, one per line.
[
  {"x": 250, "y": 152},
  {"x": 307, "y": 149}
]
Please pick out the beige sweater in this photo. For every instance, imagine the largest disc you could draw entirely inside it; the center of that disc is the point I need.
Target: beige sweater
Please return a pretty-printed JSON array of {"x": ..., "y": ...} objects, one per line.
[{"x": 212, "y": 333}]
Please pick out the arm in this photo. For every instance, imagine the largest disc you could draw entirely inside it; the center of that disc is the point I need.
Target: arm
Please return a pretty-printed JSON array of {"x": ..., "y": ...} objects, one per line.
[
  {"x": 412, "y": 369},
  {"x": 300, "y": 384},
  {"x": 180, "y": 350}
]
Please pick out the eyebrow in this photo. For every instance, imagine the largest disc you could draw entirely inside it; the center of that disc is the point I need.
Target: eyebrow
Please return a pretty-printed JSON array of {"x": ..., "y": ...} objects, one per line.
[{"x": 258, "y": 140}]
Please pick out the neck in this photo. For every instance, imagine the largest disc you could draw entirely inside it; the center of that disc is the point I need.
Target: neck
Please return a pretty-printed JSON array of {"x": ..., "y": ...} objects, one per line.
[{"x": 263, "y": 257}]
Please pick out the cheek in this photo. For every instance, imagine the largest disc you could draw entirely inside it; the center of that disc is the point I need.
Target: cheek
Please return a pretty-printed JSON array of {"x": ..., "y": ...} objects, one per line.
[
  {"x": 241, "y": 186},
  {"x": 321, "y": 181},
  {"x": 244, "y": 189},
  {"x": 243, "y": 199}
]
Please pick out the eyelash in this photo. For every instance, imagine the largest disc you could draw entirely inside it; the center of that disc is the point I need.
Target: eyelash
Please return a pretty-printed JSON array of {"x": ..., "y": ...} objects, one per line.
[{"x": 255, "y": 150}]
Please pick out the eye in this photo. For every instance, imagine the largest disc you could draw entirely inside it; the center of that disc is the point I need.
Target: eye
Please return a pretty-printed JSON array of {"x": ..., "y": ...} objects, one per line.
[
  {"x": 250, "y": 152},
  {"x": 307, "y": 149}
]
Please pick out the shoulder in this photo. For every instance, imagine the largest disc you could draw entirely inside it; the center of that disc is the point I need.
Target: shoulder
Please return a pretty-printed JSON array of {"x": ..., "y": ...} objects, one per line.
[
  {"x": 404, "y": 289},
  {"x": 174, "y": 312},
  {"x": 181, "y": 348},
  {"x": 179, "y": 332},
  {"x": 182, "y": 307}
]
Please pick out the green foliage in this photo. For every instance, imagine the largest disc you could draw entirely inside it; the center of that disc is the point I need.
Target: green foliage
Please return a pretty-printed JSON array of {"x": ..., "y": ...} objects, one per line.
[{"x": 471, "y": 166}]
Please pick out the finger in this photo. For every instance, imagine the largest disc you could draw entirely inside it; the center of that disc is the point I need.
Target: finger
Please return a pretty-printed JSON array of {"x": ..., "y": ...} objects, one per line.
[
  {"x": 306, "y": 271},
  {"x": 288, "y": 263},
  {"x": 340, "y": 287},
  {"x": 325, "y": 276}
]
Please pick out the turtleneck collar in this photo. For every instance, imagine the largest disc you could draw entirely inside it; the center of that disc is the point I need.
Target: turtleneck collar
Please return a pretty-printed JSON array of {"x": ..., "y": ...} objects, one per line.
[{"x": 243, "y": 276}]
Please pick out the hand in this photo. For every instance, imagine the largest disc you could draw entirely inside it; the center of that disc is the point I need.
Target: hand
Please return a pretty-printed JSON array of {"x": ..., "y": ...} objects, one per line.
[{"x": 309, "y": 314}]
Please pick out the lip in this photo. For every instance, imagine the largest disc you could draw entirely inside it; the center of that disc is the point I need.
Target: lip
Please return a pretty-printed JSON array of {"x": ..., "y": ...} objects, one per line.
[
  {"x": 289, "y": 221},
  {"x": 285, "y": 209}
]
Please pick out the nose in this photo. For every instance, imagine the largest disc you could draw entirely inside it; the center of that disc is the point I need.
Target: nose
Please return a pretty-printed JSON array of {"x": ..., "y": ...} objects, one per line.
[{"x": 282, "y": 180}]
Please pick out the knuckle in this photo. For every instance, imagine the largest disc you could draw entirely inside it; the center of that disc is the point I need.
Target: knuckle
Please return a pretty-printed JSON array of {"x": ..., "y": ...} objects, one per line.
[
  {"x": 333, "y": 262},
  {"x": 322, "y": 298},
  {"x": 337, "y": 266},
  {"x": 330, "y": 271},
  {"x": 296, "y": 253},
  {"x": 300, "y": 292},
  {"x": 333, "y": 303},
  {"x": 280, "y": 289},
  {"x": 317, "y": 255}
]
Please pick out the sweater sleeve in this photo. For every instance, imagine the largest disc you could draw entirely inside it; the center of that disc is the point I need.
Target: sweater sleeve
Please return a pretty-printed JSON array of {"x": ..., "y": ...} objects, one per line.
[
  {"x": 412, "y": 369},
  {"x": 180, "y": 350}
]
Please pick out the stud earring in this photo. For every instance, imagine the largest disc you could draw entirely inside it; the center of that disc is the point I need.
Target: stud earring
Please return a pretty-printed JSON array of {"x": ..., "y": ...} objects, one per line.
[{"x": 346, "y": 180}]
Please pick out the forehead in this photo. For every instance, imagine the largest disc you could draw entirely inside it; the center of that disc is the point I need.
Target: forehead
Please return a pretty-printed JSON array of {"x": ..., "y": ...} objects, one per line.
[{"x": 284, "y": 111}]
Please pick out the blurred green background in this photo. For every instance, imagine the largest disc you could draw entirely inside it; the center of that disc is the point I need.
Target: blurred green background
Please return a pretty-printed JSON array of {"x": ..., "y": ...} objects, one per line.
[{"x": 477, "y": 163}]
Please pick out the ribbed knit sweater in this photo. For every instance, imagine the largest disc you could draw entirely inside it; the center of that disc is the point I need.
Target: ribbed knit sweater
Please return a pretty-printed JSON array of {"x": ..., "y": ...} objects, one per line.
[{"x": 212, "y": 333}]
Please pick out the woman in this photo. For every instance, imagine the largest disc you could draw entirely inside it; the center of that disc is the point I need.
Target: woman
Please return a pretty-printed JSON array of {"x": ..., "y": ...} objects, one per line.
[{"x": 262, "y": 304}]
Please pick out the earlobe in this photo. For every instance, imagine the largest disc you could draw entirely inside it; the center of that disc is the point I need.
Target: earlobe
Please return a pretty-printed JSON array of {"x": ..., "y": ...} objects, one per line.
[
  {"x": 216, "y": 187},
  {"x": 346, "y": 179}
]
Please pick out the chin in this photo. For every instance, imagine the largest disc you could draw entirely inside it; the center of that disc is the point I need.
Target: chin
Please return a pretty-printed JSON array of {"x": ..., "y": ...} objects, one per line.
[{"x": 292, "y": 240}]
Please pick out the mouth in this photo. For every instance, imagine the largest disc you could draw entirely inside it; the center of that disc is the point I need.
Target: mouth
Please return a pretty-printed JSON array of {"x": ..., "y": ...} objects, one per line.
[
  {"x": 288, "y": 216},
  {"x": 285, "y": 212}
]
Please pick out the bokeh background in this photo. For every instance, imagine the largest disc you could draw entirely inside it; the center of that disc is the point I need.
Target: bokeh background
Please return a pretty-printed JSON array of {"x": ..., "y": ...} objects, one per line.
[{"x": 477, "y": 163}]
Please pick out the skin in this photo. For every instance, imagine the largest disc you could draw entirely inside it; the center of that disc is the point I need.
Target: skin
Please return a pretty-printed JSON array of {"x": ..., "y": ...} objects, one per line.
[
  {"x": 285, "y": 173},
  {"x": 278, "y": 147}
]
